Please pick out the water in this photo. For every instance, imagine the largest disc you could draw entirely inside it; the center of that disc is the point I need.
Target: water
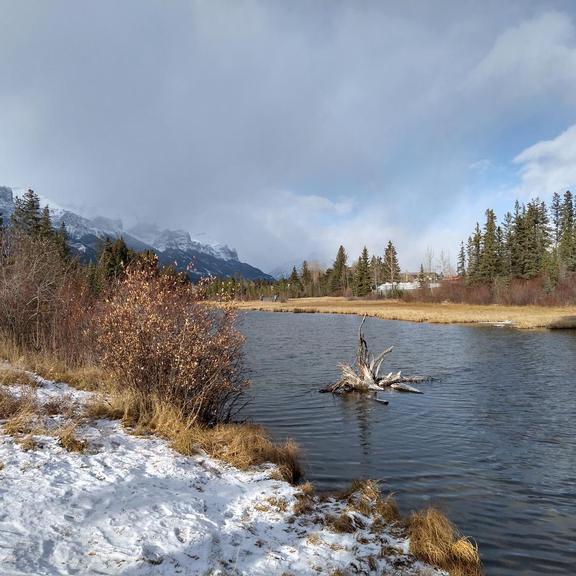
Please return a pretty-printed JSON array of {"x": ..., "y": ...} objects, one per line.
[{"x": 492, "y": 441}]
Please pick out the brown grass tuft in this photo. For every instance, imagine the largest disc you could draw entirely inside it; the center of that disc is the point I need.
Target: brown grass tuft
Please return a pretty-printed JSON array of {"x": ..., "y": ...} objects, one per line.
[
  {"x": 307, "y": 489},
  {"x": 27, "y": 442},
  {"x": 14, "y": 376},
  {"x": 342, "y": 524},
  {"x": 364, "y": 496},
  {"x": 67, "y": 439},
  {"x": 434, "y": 539}
]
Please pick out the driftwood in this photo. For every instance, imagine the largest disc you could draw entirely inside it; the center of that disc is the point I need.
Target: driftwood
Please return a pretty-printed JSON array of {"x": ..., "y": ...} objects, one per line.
[{"x": 365, "y": 375}]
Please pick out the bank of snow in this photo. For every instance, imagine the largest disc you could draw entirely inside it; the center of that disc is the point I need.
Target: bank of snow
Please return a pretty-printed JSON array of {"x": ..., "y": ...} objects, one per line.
[{"x": 132, "y": 506}]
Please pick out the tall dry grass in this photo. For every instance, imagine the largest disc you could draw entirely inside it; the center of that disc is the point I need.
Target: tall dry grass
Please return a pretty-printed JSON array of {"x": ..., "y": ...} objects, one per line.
[
  {"x": 241, "y": 445},
  {"x": 434, "y": 539}
]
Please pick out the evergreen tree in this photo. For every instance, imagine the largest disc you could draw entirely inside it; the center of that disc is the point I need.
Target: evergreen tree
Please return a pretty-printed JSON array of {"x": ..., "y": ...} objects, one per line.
[
  {"x": 556, "y": 210},
  {"x": 45, "y": 229},
  {"x": 566, "y": 246},
  {"x": 376, "y": 267},
  {"x": 338, "y": 277},
  {"x": 422, "y": 278},
  {"x": 461, "y": 266},
  {"x": 507, "y": 232},
  {"x": 294, "y": 283},
  {"x": 26, "y": 216},
  {"x": 61, "y": 239},
  {"x": 489, "y": 255},
  {"x": 362, "y": 280},
  {"x": 391, "y": 268},
  {"x": 474, "y": 253},
  {"x": 306, "y": 279}
]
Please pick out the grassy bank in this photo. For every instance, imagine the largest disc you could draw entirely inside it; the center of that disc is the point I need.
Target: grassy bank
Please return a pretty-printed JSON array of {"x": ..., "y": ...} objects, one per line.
[{"x": 519, "y": 316}]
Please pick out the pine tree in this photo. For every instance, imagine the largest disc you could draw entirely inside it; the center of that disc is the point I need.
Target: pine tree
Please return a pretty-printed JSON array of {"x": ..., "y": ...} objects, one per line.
[
  {"x": 306, "y": 279},
  {"x": 294, "y": 283},
  {"x": 461, "y": 267},
  {"x": 474, "y": 252},
  {"x": 566, "y": 246},
  {"x": 507, "y": 234},
  {"x": 339, "y": 275},
  {"x": 556, "y": 210},
  {"x": 489, "y": 264},
  {"x": 422, "y": 278},
  {"x": 376, "y": 267},
  {"x": 45, "y": 229},
  {"x": 26, "y": 216},
  {"x": 391, "y": 268},
  {"x": 362, "y": 280},
  {"x": 61, "y": 239}
]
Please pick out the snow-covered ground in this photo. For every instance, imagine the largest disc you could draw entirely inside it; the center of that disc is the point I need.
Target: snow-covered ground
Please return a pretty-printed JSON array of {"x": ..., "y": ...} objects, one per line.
[{"x": 132, "y": 506}]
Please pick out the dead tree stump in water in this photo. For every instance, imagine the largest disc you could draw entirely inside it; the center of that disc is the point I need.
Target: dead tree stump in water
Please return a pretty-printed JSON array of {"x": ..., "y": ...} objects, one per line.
[{"x": 365, "y": 375}]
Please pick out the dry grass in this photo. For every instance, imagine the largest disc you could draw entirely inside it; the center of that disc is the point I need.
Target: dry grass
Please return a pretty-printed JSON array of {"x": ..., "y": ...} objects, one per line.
[
  {"x": 27, "y": 442},
  {"x": 82, "y": 377},
  {"x": 364, "y": 496},
  {"x": 17, "y": 409},
  {"x": 13, "y": 376},
  {"x": 67, "y": 438},
  {"x": 520, "y": 316},
  {"x": 341, "y": 524},
  {"x": 434, "y": 539},
  {"x": 241, "y": 445}
]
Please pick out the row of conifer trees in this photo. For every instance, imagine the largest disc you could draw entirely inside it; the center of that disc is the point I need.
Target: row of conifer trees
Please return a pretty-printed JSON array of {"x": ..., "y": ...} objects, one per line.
[{"x": 533, "y": 240}]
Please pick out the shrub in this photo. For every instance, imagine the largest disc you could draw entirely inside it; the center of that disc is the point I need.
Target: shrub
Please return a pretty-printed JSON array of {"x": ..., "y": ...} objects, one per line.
[
  {"x": 43, "y": 304},
  {"x": 160, "y": 342}
]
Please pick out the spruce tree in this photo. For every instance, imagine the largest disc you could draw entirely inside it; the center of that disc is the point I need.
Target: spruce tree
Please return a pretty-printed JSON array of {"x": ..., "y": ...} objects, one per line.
[
  {"x": 294, "y": 282},
  {"x": 422, "y": 278},
  {"x": 306, "y": 279},
  {"x": 566, "y": 246},
  {"x": 489, "y": 265},
  {"x": 391, "y": 268},
  {"x": 461, "y": 266},
  {"x": 362, "y": 280},
  {"x": 45, "y": 229},
  {"x": 556, "y": 210},
  {"x": 26, "y": 216},
  {"x": 338, "y": 277}
]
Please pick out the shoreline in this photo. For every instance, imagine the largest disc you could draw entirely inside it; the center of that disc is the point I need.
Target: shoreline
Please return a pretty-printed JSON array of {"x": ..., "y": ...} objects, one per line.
[
  {"x": 521, "y": 317},
  {"x": 130, "y": 503}
]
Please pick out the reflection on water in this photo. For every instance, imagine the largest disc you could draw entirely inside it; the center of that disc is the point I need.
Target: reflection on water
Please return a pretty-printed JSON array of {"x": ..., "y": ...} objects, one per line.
[{"x": 492, "y": 441}]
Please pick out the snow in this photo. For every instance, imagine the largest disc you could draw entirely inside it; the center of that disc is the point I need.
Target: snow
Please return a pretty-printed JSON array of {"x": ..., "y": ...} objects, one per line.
[{"x": 130, "y": 505}]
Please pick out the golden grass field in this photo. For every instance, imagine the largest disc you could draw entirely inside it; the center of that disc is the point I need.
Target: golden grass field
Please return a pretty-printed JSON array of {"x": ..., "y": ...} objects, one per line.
[{"x": 446, "y": 313}]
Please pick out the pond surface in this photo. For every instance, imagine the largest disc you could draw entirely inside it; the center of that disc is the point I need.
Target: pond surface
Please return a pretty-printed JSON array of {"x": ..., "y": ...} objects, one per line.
[{"x": 492, "y": 441}]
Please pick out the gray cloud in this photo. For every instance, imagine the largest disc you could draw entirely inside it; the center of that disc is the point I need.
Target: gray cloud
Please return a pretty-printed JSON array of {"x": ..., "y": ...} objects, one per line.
[{"x": 282, "y": 128}]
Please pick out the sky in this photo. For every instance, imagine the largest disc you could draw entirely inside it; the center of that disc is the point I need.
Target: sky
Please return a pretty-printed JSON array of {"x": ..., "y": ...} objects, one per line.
[{"x": 287, "y": 128}]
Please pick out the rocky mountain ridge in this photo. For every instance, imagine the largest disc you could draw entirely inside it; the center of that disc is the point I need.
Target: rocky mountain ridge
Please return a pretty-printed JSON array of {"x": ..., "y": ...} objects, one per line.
[{"x": 172, "y": 246}]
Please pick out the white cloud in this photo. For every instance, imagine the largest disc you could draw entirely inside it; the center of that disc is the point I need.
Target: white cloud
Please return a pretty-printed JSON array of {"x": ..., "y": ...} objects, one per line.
[
  {"x": 531, "y": 58},
  {"x": 548, "y": 166}
]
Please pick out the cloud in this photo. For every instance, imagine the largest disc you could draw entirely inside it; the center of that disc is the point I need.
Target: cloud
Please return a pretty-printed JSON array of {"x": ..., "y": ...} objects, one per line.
[
  {"x": 548, "y": 166},
  {"x": 282, "y": 128},
  {"x": 532, "y": 58}
]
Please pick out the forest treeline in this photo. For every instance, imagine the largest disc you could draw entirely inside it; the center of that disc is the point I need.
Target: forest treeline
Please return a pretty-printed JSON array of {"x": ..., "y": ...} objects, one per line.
[
  {"x": 529, "y": 257},
  {"x": 343, "y": 278}
]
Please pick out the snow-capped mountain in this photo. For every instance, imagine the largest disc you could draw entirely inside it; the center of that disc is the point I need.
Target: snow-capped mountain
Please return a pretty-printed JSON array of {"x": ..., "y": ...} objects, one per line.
[{"x": 172, "y": 246}]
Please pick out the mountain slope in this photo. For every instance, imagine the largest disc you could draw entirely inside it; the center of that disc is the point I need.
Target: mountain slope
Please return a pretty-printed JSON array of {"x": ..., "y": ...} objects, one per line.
[{"x": 172, "y": 246}]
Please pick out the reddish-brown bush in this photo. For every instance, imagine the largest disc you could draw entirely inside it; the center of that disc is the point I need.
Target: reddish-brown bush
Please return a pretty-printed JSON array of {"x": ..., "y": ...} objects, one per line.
[
  {"x": 506, "y": 291},
  {"x": 160, "y": 341},
  {"x": 44, "y": 301}
]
